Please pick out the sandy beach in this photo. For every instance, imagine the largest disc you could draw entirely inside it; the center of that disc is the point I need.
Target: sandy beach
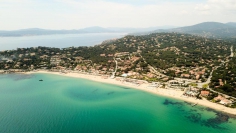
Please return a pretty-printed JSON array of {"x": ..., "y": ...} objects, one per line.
[{"x": 145, "y": 87}]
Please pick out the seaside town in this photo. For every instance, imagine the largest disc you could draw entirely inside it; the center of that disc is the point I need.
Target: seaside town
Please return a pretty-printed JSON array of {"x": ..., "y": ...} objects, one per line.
[
  {"x": 198, "y": 67},
  {"x": 117, "y": 66}
]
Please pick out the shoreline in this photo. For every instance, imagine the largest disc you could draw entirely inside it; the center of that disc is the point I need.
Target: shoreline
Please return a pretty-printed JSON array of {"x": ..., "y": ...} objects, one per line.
[{"x": 176, "y": 94}]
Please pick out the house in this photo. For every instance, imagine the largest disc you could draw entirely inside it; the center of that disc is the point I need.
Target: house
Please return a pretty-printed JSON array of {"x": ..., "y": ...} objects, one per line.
[
  {"x": 1, "y": 71},
  {"x": 150, "y": 75},
  {"x": 222, "y": 100},
  {"x": 55, "y": 60},
  {"x": 32, "y": 54},
  {"x": 165, "y": 79},
  {"x": 103, "y": 55},
  {"x": 221, "y": 82},
  {"x": 185, "y": 75},
  {"x": 197, "y": 77},
  {"x": 110, "y": 55},
  {"x": 20, "y": 55},
  {"x": 43, "y": 56},
  {"x": 205, "y": 93}
]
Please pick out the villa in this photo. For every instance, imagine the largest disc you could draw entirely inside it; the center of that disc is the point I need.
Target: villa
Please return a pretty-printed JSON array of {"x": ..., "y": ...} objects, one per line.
[{"x": 205, "y": 93}]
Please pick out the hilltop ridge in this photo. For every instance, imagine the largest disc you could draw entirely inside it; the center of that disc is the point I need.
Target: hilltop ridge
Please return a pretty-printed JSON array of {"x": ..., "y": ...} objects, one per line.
[{"x": 207, "y": 29}]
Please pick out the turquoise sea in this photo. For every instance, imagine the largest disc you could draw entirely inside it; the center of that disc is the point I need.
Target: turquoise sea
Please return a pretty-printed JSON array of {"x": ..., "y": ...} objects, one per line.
[{"x": 61, "y": 104}]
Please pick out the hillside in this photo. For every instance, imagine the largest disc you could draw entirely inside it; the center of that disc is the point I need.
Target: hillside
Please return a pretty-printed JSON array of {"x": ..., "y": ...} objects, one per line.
[
  {"x": 231, "y": 24},
  {"x": 224, "y": 80},
  {"x": 207, "y": 29}
]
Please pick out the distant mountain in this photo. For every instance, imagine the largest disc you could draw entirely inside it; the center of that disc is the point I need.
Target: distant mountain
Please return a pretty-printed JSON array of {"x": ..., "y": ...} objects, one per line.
[
  {"x": 36, "y": 31},
  {"x": 95, "y": 29},
  {"x": 139, "y": 30},
  {"x": 207, "y": 29},
  {"x": 232, "y": 24}
]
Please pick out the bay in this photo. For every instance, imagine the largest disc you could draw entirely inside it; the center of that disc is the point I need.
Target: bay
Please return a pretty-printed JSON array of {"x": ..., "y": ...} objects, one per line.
[
  {"x": 62, "y": 104},
  {"x": 57, "y": 41}
]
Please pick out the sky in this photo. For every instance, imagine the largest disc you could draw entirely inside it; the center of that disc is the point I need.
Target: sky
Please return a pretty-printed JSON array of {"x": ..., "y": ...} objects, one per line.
[{"x": 76, "y": 14}]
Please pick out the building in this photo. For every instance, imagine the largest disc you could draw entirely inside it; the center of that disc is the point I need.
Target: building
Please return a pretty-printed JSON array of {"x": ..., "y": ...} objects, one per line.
[
  {"x": 205, "y": 93},
  {"x": 222, "y": 100},
  {"x": 55, "y": 60}
]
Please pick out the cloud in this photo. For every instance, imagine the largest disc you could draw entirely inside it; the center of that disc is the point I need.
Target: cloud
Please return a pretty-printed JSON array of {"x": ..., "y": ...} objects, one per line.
[
  {"x": 110, "y": 13},
  {"x": 74, "y": 14},
  {"x": 202, "y": 7},
  {"x": 223, "y": 4},
  {"x": 217, "y": 7},
  {"x": 184, "y": 12}
]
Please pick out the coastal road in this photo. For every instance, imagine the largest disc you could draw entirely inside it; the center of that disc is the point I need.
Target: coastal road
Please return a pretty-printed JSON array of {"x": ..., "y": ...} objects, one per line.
[
  {"x": 209, "y": 78},
  {"x": 232, "y": 51},
  {"x": 114, "y": 73},
  {"x": 152, "y": 68}
]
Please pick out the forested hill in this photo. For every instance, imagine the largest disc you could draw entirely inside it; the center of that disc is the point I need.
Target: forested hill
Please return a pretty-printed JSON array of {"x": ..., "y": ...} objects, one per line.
[
  {"x": 185, "y": 56},
  {"x": 167, "y": 50},
  {"x": 232, "y": 24},
  {"x": 208, "y": 29},
  {"x": 224, "y": 78}
]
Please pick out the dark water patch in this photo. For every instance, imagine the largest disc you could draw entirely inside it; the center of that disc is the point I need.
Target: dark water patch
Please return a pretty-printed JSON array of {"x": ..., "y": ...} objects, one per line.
[
  {"x": 187, "y": 103},
  {"x": 232, "y": 116},
  {"x": 109, "y": 93},
  {"x": 182, "y": 110},
  {"x": 94, "y": 90},
  {"x": 125, "y": 88},
  {"x": 86, "y": 95},
  {"x": 212, "y": 122},
  {"x": 18, "y": 77},
  {"x": 201, "y": 108},
  {"x": 220, "y": 118},
  {"x": 193, "y": 110},
  {"x": 169, "y": 102},
  {"x": 217, "y": 121},
  {"x": 194, "y": 117},
  {"x": 83, "y": 96}
]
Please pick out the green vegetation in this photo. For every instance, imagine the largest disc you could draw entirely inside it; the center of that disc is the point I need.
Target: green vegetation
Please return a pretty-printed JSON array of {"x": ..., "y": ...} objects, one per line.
[
  {"x": 212, "y": 95},
  {"x": 205, "y": 86},
  {"x": 193, "y": 84},
  {"x": 153, "y": 57},
  {"x": 224, "y": 78}
]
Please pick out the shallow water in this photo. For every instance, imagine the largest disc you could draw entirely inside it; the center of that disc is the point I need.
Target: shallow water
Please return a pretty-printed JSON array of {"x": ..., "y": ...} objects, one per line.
[{"x": 64, "y": 104}]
